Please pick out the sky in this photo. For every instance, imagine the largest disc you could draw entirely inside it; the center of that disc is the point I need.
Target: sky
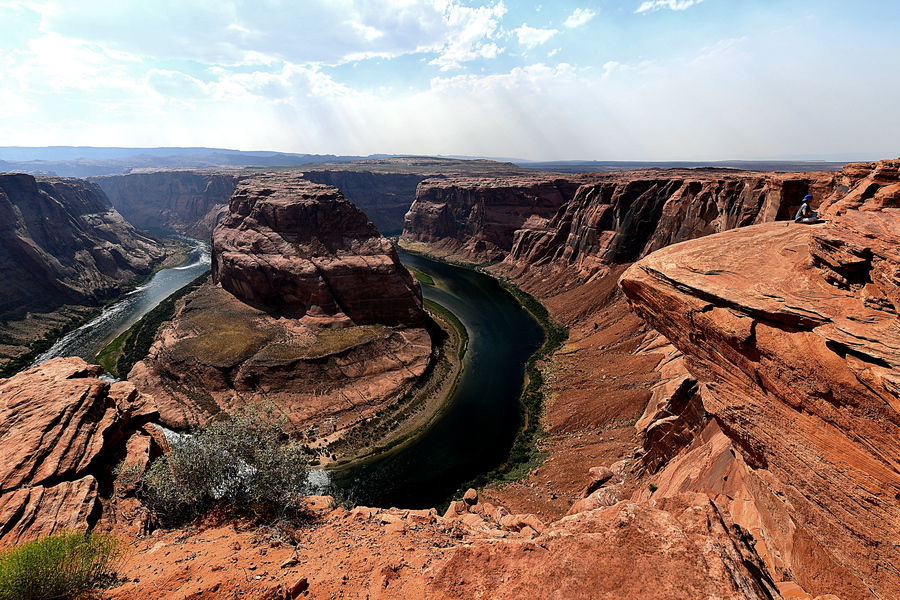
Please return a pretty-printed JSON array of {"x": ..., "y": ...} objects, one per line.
[{"x": 562, "y": 80}]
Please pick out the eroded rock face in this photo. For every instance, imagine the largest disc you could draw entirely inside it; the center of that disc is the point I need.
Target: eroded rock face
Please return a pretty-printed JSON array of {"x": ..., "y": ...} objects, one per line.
[
  {"x": 792, "y": 332},
  {"x": 302, "y": 249},
  {"x": 384, "y": 197},
  {"x": 62, "y": 430},
  {"x": 62, "y": 242},
  {"x": 220, "y": 354},
  {"x": 190, "y": 202},
  {"x": 581, "y": 225},
  {"x": 477, "y": 218}
]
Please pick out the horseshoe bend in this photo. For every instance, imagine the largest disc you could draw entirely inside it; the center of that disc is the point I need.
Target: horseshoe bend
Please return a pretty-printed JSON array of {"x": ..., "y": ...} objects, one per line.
[{"x": 722, "y": 421}]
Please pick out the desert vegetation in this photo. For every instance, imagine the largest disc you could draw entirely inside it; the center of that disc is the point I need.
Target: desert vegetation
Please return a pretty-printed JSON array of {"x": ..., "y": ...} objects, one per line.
[
  {"x": 59, "y": 566},
  {"x": 246, "y": 464}
]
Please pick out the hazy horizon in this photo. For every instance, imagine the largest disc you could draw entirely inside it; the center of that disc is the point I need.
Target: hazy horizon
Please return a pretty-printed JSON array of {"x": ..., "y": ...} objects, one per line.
[{"x": 588, "y": 80}]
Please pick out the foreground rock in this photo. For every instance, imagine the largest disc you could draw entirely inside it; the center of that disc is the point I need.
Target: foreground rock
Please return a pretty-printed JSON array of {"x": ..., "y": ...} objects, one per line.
[
  {"x": 62, "y": 430},
  {"x": 61, "y": 242},
  {"x": 314, "y": 313},
  {"x": 676, "y": 549},
  {"x": 792, "y": 331}
]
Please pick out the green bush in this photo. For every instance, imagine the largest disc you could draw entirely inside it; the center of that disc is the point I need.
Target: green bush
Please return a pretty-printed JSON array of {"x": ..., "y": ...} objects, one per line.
[
  {"x": 245, "y": 463},
  {"x": 63, "y": 565}
]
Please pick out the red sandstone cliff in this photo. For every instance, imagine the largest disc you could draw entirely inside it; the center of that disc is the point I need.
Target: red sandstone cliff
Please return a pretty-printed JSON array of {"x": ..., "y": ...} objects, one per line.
[
  {"x": 314, "y": 312},
  {"x": 62, "y": 242},
  {"x": 301, "y": 248},
  {"x": 189, "y": 202},
  {"x": 792, "y": 332},
  {"x": 580, "y": 225},
  {"x": 62, "y": 430}
]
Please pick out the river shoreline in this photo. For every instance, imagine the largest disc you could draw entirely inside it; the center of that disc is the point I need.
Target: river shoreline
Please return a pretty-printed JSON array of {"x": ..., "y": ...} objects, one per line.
[
  {"x": 425, "y": 402},
  {"x": 23, "y": 341}
]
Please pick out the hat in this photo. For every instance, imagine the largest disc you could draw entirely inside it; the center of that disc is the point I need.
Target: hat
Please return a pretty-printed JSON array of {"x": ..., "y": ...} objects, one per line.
[{"x": 807, "y": 197}]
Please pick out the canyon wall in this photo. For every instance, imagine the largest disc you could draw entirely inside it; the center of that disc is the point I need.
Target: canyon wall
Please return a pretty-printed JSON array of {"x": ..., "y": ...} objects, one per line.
[
  {"x": 384, "y": 197},
  {"x": 580, "y": 225},
  {"x": 310, "y": 309},
  {"x": 189, "y": 202},
  {"x": 476, "y": 218},
  {"x": 792, "y": 332},
  {"x": 61, "y": 242}
]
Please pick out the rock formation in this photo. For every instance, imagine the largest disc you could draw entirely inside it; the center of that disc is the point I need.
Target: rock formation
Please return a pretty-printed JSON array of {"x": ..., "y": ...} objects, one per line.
[
  {"x": 793, "y": 334},
  {"x": 62, "y": 430},
  {"x": 61, "y": 242},
  {"x": 190, "y": 202},
  {"x": 592, "y": 221},
  {"x": 314, "y": 312},
  {"x": 476, "y": 218},
  {"x": 301, "y": 248}
]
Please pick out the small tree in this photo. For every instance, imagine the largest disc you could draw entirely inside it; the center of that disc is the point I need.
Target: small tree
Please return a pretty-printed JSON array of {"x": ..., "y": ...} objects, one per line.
[
  {"x": 63, "y": 565},
  {"x": 246, "y": 462}
]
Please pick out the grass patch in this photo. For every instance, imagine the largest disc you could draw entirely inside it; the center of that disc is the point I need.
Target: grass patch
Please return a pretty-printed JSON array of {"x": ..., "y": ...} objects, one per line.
[
  {"x": 421, "y": 276},
  {"x": 63, "y": 565}
]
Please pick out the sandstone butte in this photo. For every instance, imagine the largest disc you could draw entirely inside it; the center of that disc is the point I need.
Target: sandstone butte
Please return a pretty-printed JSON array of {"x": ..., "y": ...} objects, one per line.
[
  {"x": 765, "y": 427},
  {"x": 310, "y": 309}
]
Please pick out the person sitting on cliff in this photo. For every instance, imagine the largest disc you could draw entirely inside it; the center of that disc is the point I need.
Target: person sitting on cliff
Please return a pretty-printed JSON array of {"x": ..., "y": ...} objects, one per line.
[{"x": 805, "y": 214}]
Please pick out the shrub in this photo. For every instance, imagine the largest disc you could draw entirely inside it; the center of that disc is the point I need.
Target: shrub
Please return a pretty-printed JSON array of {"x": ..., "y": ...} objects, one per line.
[
  {"x": 63, "y": 565},
  {"x": 245, "y": 463}
]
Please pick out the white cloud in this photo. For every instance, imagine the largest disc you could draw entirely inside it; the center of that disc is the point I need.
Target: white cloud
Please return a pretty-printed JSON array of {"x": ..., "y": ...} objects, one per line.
[
  {"x": 652, "y": 5},
  {"x": 531, "y": 37},
  {"x": 468, "y": 33},
  {"x": 580, "y": 17}
]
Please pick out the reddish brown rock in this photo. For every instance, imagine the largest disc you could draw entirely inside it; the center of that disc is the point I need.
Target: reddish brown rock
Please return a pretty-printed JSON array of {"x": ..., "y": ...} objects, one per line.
[
  {"x": 62, "y": 430},
  {"x": 477, "y": 218},
  {"x": 793, "y": 335},
  {"x": 315, "y": 314},
  {"x": 680, "y": 549},
  {"x": 302, "y": 249}
]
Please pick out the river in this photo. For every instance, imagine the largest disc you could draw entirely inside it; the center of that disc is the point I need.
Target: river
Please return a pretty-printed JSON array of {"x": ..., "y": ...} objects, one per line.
[
  {"x": 476, "y": 431},
  {"x": 90, "y": 338},
  {"x": 471, "y": 437}
]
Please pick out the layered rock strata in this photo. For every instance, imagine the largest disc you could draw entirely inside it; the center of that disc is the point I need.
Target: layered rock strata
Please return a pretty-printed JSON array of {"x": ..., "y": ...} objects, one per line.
[
  {"x": 792, "y": 332},
  {"x": 61, "y": 242},
  {"x": 189, "y": 202},
  {"x": 384, "y": 197},
  {"x": 62, "y": 430},
  {"x": 313, "y": 312},
  {"x": 301, "y": 248},
  {"x": 583, "y": 224},
  {"x": 476, "y": 218}
]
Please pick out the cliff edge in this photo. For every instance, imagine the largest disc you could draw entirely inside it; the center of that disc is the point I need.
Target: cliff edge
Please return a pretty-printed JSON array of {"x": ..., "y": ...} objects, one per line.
[{"x": 792, "y": 332}]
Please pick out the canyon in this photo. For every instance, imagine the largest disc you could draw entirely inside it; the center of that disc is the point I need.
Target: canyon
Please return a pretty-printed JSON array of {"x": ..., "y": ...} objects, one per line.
[
  {"x": 722, "y": 421},
  {"x": 63, "y": 249}
]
